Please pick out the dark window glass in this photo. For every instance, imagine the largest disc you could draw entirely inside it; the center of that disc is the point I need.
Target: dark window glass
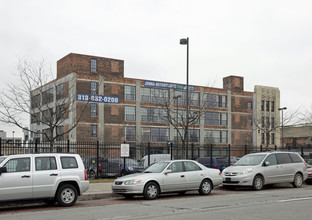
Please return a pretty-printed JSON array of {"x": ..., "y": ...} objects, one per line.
[
  {"x": 267, "y": 105},
  {"x": 191, "y": 166},
  {"x": 93, "y": 65},
  {"x": 93, "y": 130},
  {"x": 93, "y": 87},
  {"x": 45, "y": 163},
  {"x": 176, "y": 167},
  {"x": 272, "y": 106},
  {"x": 93, "y": 109},
  {"x": 69, "y": 162},
  {"x": 262, "y": 105},
  {"x": 18, "y": 165},
  {"x": 283, "y": 158},
  {"x": 129, "y": 93},
  {"x": 295, "y": 158}
]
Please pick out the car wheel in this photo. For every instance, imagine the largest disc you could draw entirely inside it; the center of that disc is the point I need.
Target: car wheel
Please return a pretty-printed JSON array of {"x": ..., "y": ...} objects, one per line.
[
  {"x": 298, "y": 180},
  {"x": 151, "y": 191},
  {"x": 257, "y": 183},
  {"x": 66, "y": 195},
  {"x": 205, "y": 187}
]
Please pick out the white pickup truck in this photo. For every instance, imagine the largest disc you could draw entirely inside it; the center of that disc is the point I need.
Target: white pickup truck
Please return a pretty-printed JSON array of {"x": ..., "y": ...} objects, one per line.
[{"x": 51, "y": 177}]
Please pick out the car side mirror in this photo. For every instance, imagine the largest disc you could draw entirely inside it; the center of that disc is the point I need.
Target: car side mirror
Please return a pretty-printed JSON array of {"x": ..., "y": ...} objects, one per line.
[
  {"x": 168, "y": 171},
  {"x": 3, "y": 170},
  {"x": 266, "y": 163}
]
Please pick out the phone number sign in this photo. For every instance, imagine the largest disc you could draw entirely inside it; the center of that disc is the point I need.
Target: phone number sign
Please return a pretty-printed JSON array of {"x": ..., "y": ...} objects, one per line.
[{"x": 97, "y": 98}]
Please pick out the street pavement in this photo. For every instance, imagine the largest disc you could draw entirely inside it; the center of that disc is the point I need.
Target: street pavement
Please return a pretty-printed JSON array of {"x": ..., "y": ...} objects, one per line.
[{"x": 98, "y": 191}]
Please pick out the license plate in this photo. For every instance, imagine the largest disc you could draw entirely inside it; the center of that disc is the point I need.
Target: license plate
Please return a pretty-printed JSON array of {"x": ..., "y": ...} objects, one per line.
[{"x": 228, "y": 179}]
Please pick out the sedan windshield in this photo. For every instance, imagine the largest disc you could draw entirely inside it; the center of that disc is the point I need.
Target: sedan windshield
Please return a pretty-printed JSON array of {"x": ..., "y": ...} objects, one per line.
[
  {"x": 156, "y": 167},
  {"x": 250, "y": 160}
]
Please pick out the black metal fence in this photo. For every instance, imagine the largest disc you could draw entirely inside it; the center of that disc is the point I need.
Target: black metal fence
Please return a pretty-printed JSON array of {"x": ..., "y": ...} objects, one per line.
[{"x": 137, "y": 151}]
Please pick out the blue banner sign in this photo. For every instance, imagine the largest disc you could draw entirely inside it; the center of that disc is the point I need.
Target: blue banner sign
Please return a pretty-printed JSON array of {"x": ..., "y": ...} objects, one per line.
[
  {"x": 167, "y": 85},
  {"x": 97, "y": 98}
]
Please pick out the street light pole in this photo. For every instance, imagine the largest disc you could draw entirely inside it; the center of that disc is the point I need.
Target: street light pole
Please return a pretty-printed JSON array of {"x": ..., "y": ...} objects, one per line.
[
  {"x": 282, "y": 109},
  {"x": 185, "y": 41},
  {"x": 177, "y": 98}
]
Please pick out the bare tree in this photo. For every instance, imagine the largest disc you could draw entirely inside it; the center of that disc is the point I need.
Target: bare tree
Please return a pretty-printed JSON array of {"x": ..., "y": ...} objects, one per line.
[
  {"x": 268, "y": 125},
  {"x": 47, "y": 105},
  {"x": 175, "y": 113}
]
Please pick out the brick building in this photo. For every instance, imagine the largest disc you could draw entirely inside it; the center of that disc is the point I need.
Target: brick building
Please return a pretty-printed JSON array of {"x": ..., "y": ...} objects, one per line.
[{"x": 114, "y": 108}]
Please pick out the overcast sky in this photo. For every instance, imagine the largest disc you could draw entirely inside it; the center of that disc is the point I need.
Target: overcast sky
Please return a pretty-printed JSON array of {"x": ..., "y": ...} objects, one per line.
[{"x": 267, "y": 42}]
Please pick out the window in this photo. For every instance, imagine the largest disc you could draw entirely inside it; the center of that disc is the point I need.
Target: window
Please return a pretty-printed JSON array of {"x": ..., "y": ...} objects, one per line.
[
  {"x": 130, "y": 133},
  {"x": 60, "y": 91},
  {"x": 93, "y": 87},
  {"x": 283, "y": 158},
  {"x": 193, "y": 135},
  {"x": 35, "y": 101},
  {"x": 47, "y": 96},
  {"x": 60, "y": 111},
  {"x": 93, "y": 109},
  {"x": 224, "y": 137},
  {"x": 176, "y": 167},
  {"x": 212, "y": 118},
  {"x": 262, "y": 121},
  {"x": 262, "y": 105},
  {"x": 18, "y": 165},
  {"x": 272, "y": 106},
  {"x": 129, "y": 113},
  {"x": 211, "y": 100},
  {"x": 93, "y": 130},
  {"x": 272, "y": 138},
  {"x": 154, "y": 95},
  {"x": 267, "y": 105},
  {"x": 249, "y": 124},
  {"x": 223, "y": 101},
  {"x": 69, "y": 162},
  {"x": 262, "y": 138},
  {"x": 194, "y": 98},
  {"x": 295, "y": 158},
  {"x": 249, "y": 106},
  {"x": 211, "y": 136},
  {"x": 267, "y": 124},
  {"x": 129, "y": 93},
  {"x": 155, "y": 134},
  {"x": 60, "y": 133},
  {"x": 93, "y": 65},
  {"x": 47, "y": 116},
  {"x": 272, "y": 122},
  {"x": 224, "y": 119},
  {"x": 45, "y": 163},
  {"x": 35, "y": 118},
  {"x": 271, "y": 159},
  {"x": 191, "y": 166},
  {"x": 47, "y": 134}
]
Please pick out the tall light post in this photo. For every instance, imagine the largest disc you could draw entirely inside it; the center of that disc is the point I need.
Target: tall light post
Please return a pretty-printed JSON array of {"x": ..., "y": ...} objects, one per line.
[
  {"x": 282, "y": 109},
  {"x": 185, "y": 41}
]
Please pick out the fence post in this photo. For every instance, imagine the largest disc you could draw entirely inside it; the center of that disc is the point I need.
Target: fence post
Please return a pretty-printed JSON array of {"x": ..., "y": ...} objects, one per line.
[
  {"x": 261, "y": 148},
  {"x": 192, "y": 151},
  {"x": 0, "y": 146},
  {"x": 275, "y": 148},
  {"x": 211, "y": 162},
  {"x": 229, "y": 154},
  {"x": 171, "y": 150},
  {"x": 68, "y": 143},
  {"x": 36, "y": 146},
  {"x": 245, "y": 149},
  {"x": 301, "y": 147},
  {"x": 97, "y": 158},
  {"x": 149, "y": 153}
]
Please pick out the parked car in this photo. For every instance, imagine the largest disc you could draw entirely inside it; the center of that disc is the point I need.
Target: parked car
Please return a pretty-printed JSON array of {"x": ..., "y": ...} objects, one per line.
[
  {"x": 206, "y": 161},
  {"x": 223, "y": 162},
  {"x": 309, "y": 179},
  {"x": 50, "y": 177},
  {"x": 105, "y": 168},
  {"x": 168, "y": 176},
  {"x": 132, "y": 166},
  {"x": 154, "y": 158},
  {"x": 259, "y": 169}
]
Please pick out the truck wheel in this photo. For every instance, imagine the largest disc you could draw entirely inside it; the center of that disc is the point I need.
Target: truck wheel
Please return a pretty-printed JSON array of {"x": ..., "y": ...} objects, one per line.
[{"x": 66, "y": 195}]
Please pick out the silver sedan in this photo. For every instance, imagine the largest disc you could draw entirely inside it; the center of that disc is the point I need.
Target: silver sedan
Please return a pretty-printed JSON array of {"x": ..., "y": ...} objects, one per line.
[{"x": 168, "y": 176}]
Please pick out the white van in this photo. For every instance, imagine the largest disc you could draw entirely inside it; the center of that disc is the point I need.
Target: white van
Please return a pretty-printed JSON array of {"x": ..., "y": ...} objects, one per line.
[{"x": 154, "y": 158}]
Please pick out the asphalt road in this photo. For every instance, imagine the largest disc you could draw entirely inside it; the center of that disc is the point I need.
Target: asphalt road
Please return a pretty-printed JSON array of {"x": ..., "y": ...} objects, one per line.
[{"x": 279, "y": 202}]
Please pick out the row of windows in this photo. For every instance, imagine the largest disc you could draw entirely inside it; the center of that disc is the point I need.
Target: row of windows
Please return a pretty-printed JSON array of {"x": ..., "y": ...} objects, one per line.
[
  {"x": 47, "y": 96},
  {"x": 153, "y": 95},
  {"x": 156, "y": 115},
  {"x": 267, "y": 106},
  {"x": 162, "y": 135},
  {"x": 270, "y": 138}
]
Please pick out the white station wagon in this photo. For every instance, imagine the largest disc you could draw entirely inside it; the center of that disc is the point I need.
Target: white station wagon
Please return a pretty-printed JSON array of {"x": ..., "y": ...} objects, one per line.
[
  {"x": 264, "y": 168},
  {"x": 51, "y": 177}
]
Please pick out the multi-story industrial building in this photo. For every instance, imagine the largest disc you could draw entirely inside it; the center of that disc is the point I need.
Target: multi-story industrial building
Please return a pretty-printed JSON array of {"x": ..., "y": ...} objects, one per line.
[{"x": 110, "y": 107}]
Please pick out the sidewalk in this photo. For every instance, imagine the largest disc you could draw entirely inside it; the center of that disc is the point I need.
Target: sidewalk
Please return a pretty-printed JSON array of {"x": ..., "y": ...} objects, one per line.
[{"x": 98, "y": 191}]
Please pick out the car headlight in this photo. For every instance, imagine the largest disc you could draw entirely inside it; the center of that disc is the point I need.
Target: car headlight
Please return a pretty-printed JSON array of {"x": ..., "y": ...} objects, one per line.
[
  {"x": 133, "y": 182},
  {"x": 249, "y": 170},
  {"x": 130, "y": 168}
]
